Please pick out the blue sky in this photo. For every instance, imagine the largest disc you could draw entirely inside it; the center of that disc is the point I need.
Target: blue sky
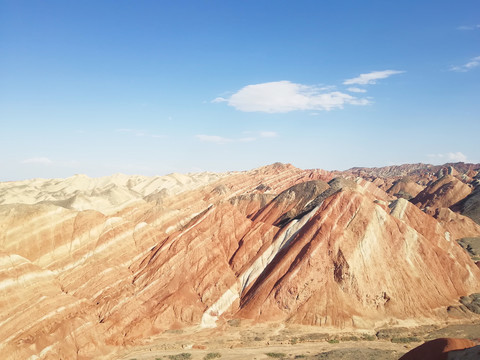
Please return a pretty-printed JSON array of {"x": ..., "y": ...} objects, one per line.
[{"x": 154, "y": 87}]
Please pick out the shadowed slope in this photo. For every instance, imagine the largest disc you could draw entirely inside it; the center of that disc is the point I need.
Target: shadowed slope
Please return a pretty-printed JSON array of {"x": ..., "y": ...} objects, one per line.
[{"x": 442, "y": 349}]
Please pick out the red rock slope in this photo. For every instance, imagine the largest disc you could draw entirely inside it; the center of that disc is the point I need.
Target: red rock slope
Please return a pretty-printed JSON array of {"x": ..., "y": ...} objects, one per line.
[{"x": 444, "y": 349}]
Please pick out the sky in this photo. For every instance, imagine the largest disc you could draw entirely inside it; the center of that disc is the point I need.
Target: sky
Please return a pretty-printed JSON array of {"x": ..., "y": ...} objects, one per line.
[{"x": 155, "y": 87}]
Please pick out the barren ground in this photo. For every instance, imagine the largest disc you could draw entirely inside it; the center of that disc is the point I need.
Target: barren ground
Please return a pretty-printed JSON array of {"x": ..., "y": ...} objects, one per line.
[{"x": 241, "y": 341}]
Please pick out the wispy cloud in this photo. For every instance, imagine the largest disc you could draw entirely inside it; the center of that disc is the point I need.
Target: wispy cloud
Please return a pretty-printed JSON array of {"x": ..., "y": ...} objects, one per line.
[
  {"x": 469, "y": 27},
  {"x": 371, "y": 77},
  {"x": 247, "y": 139},
  {"x": 285, "y": 96},
  {"x": 268, "y": 134},
  {"x": 213, "y": 139},
  {"x": 254, "y": 136},
  {"x": 356, "y": 90},
  {"x": 38, "y": 160},
  {"x": 451, "y": 156},
  {"x": 219, "y": 100},
  {"x": 140, "y": 133},
  {"x": 473, "y": 63}
]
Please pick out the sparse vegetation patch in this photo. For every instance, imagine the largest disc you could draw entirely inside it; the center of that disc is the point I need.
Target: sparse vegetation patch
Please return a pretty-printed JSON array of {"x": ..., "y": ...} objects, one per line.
[
  {"x": 275, "y": 355},
  {"x": 406, "y": 339},
  {"x": 369, "y": 337},
  {"x": 212, "y": 356},
  {"x": 349, "y": 338},
  {"x": 313, "y": 337},
  {"x": 181, "y": 356}
]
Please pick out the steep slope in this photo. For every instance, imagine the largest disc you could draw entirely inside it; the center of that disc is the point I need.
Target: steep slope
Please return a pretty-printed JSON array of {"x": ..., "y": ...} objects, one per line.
[
  {"x": 457, "y": 225},
  {"x": 470, "y": 205},
  {"x": 405, "y": 187},
  {"x": 36, "y": 313},
  {"x": 444, "y": 192},
  {"x": 88, "y": 253},
  {"x": 325, "y": 277},
  {"x": 309, "y": 266}
]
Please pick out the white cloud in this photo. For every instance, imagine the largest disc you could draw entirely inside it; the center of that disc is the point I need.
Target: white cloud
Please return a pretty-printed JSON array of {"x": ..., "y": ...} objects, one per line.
[
  {"x": 372, "y": 77},
  {"x": 268, "y": 134},
  {"x": 469, "y": 27},
  {"x": 38, "y": 160},
  {"x": 285, "y": 96},
  {"x": 457, "y": 156},
  {"x": 356, "y": 90},
  {"x": 213, "y": 138},
  {"x": 247, "y": 139},
  {"x": 449, "y": 157},
  {"x": 225, "y": 140},
  {"x": 473, "y": 63}
]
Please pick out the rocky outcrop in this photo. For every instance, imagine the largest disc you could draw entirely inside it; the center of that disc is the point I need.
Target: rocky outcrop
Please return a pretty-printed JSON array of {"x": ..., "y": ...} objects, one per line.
[{"x": 444, "y": 349}]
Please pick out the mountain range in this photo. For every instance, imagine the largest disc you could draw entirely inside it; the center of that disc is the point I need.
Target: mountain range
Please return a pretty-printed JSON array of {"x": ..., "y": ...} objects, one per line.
[{"x": 90, "y": 265}]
